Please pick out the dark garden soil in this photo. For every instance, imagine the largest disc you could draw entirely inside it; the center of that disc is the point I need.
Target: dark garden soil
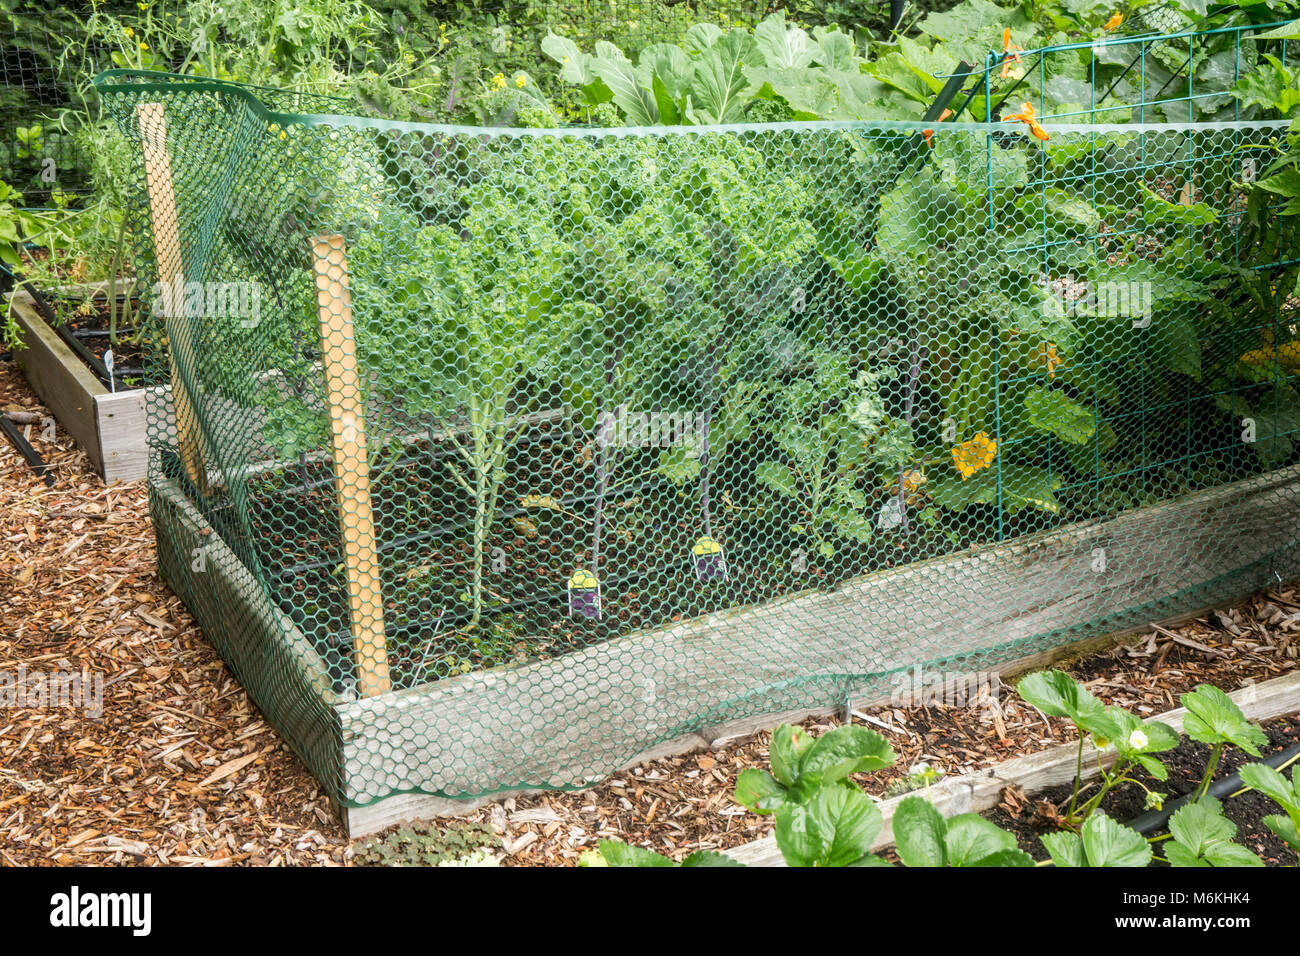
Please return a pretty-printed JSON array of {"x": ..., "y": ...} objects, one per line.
[
  {"x": 1030, "y": 816},
  {"x": 88, "y": 322}
]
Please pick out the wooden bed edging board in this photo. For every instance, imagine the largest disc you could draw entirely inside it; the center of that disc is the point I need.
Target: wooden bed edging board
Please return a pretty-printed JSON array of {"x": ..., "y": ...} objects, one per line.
[
  {"x": 109, "y": 426},
  {"x": 565, "y": 722},
  {"x": 977, "y": 792},
  {"x": 256, "y": 639}
]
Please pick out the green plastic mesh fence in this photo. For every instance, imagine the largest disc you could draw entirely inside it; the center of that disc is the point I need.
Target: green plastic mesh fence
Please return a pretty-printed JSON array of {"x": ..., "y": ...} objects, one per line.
[{"x": 492, "y": 458}]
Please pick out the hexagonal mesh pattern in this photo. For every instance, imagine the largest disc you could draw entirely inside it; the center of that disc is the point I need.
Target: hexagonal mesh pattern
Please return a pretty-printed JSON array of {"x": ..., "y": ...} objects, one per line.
[{"x": 491, "y": 458}]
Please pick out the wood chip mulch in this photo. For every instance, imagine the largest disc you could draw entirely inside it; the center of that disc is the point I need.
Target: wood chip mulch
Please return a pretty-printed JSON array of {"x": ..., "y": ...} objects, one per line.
[{"x": 182, "y": 769}]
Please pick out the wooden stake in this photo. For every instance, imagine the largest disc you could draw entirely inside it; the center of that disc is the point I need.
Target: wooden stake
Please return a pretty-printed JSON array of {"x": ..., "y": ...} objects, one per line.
[
  {"x": 171, "y": 275},
  {"x": 351, "y": 464}
]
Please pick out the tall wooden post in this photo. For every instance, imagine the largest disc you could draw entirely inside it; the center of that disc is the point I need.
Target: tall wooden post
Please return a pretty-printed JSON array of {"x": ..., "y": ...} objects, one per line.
[
  {"x": 351, "y": 464},
  {"x": 171, "y": 275}
]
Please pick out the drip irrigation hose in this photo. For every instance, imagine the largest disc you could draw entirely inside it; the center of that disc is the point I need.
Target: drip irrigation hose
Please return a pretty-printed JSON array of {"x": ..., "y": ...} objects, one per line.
[
  {"x": 1230, "y": 786},
  {"x": 26, "y": 450},
  {"x": 63, "y": 332}
]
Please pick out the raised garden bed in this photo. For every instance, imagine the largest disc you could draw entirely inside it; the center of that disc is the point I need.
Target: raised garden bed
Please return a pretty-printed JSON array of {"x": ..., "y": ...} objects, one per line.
[
  {"x": 63, "y": 362},
  {"x": 591, "y": 706},
  {"x": 1042, "y": 775}
]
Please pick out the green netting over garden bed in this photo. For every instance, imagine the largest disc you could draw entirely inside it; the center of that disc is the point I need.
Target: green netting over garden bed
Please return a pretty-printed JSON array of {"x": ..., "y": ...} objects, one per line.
[{"x": 500, "y": 456}]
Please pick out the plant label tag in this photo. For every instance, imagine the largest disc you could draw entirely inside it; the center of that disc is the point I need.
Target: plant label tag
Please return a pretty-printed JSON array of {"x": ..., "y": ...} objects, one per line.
[
  {"x": 708, "y": 559},
  {"x": 891, "y": 515},
  {"x": 584, "y": 595},
  {"x": 108, "y": 364}
]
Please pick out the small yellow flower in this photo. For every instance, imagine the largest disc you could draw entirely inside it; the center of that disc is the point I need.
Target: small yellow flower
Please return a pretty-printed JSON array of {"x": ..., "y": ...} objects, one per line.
[
  {"x": 1049, "y": 358},
  {"x": 974, "y": 455},
  {"x": 1115, "y": 20},
  {"x": 521, "y": 81},
  {"x": 143, "y": 45},
  {"x": 913, "y": 479},
  {"x": 499, "y": 81},
  {"x": 443, "y": 41},
  {"x": 564, "y": 60},
  {"x": 129, "y": 32}
]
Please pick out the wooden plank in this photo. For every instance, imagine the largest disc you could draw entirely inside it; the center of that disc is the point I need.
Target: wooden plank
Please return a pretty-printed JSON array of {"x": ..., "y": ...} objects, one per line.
[
  {"x": 64, "y": 384},
  {"x": 171, "y": 274},
  {"x": 268, "y": 654},
  {"x": 120, "y": 420},
  {"x": 977, "y": 792},
  {"x": 401, "y": 808},
  {"x": 351, "y": 465},
  {"x": 567, "y": 721}
]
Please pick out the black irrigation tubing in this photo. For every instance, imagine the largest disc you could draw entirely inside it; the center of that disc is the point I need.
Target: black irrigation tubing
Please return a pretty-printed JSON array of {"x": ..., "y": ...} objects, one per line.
[
  {"x": 450, "y": 526},
  {"x": 64, "y": 333},
  {"x": 1155, "y": 819},
  {"x": 26, "y": 450}
]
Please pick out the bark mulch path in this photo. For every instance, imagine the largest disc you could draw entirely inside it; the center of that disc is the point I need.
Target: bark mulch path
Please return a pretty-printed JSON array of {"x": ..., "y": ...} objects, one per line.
[{"x": 182, "y": 769}]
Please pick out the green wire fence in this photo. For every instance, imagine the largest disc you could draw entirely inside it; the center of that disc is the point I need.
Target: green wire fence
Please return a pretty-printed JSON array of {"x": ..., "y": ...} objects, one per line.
[{"x": 491, "y": 458}]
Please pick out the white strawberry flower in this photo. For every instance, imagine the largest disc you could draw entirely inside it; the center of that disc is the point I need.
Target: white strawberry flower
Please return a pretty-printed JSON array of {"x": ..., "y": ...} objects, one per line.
[{"x": 1137, "y": 740}]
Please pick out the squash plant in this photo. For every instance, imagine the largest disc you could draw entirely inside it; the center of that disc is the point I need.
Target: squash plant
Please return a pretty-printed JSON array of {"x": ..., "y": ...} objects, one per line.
[{"x": 716, "y": 76}]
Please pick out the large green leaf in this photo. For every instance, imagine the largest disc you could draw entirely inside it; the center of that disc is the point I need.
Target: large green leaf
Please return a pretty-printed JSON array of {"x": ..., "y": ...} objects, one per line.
[
  {"x": 971, "y": 840},
  {"x": 919, "y": 833},
  {"x": 622, "y": 854},
  {"x": 759, "y": 791},
  {"x": 833, "y": 49},
  {"x": 636, "y": 101},
  {"x": 1214, "y": 718},
  {"x": 790, "y": 745},
  {"x": 719, "y": 80},
  {"x": 1057, "y": 694},
  {"x": 1065, "y": 849},
  {"x": 1285, "y": 829},
  {"x": 1285, "y": 793},
  {"x": 1023, "y": 486},
  {"x": 1053, "y": 411},
  {"x": 835, "y": 828},
  {"x": 1176, "y": 344},
  {"x": 709, "y": 858},
  {"x": 670, "y": 65},
  {"x": 844, "y": 751},
  {"x": 1107, "y": 843},
  {"x": 1203, "y": 837},
  {"x": 783, "y": 47}
]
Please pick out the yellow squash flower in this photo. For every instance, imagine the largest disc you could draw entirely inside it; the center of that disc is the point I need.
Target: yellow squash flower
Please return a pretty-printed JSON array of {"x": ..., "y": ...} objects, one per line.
[
  {"x": 974, "y": 455},
  {"x": 1049, "y": 358},
  {"x": 1115, "y": 20},
  {"x": 1010, "y": 53},
  {"x": 1030, "y": 119}
]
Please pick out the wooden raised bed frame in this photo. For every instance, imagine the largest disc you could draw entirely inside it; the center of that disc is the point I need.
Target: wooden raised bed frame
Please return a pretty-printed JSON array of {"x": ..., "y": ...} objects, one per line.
[
  {"x": 109, "y": 426},
  {"x": 566, "y": 721}
]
